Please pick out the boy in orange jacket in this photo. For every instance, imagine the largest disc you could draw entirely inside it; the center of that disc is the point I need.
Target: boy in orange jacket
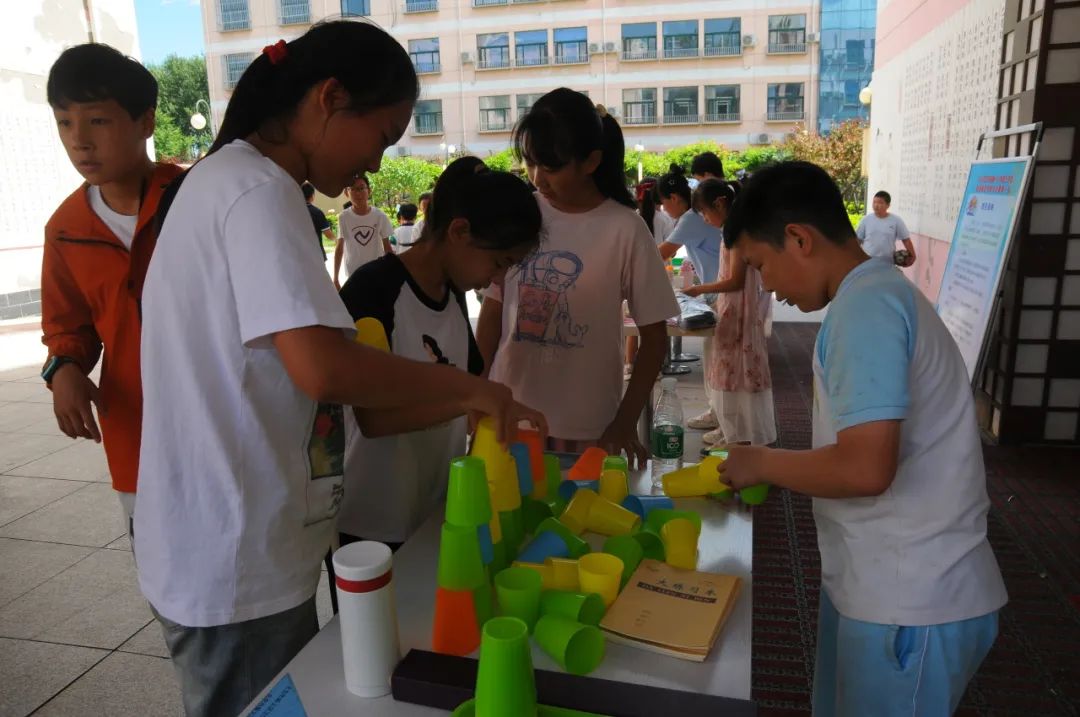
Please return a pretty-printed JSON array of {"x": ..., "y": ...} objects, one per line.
[{"x": 97, "y": 247}]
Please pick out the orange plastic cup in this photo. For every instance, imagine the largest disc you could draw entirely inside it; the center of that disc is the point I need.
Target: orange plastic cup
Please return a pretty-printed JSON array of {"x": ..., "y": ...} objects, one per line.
[
  {"x": 590, "y": 465},
  {"x": 455, "y": 630}
]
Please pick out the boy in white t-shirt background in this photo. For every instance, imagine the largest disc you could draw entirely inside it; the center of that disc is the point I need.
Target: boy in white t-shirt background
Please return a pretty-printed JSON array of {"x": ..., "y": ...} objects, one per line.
[
  {"x": 881, "y": 229},
  {"x": 364, "y": 231},
  {"x": 910, "y": 586},
  {"x": 405, "y": 235}
]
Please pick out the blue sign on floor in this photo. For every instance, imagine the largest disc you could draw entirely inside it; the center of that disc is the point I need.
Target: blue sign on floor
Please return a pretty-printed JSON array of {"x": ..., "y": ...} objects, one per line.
[{"x": 281, "y": 701}]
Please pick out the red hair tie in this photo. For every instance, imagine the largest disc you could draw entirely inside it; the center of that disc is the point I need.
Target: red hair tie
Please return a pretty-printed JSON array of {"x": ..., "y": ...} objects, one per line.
[{"x": 276, "y": 52}]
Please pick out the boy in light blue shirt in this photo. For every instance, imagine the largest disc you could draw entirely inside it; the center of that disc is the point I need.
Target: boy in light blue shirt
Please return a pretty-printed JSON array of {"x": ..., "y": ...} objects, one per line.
[{"x": 910, "y": 586}]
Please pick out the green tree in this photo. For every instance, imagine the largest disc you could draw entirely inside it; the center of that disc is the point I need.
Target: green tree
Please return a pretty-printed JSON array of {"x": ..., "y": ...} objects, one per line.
[
  {"x": 181, "y": 84},
  {"x": 402, "y": 179},
  {"x": 839, "y": 153},
  {"x": 501, "y": 161}
]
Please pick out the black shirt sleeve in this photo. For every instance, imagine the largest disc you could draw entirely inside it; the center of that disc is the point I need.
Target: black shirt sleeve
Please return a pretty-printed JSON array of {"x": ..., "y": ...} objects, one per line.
[
  {"x": 318, "y": 219},
  {"x": 476, "y": 361},
  {"x": 373, "y": 289}
]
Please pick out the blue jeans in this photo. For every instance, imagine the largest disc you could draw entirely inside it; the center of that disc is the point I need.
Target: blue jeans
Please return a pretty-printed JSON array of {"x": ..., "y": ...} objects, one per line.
[
  {"x": 222, "y": 668},
  {"x": 863, "y": 668}
]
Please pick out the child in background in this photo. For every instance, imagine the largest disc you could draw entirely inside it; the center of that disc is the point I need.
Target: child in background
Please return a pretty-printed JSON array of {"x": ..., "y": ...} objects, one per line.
[
  {"x": 318, "y": 219},
  {"x": 555, "y": 325},
  {"x": 423, "y": 203},
  {"x": 737, "y": 377},
  {"x": 97, "y": 245},
  {"x": 364, "y": 231},
  {"x": 397, "y": 462},
  {"x": 405, "y": 235},
  {"x": 910, "y": 586},
  {"x": 661, "y": 226},
  {"x": 248, "y": 357}
]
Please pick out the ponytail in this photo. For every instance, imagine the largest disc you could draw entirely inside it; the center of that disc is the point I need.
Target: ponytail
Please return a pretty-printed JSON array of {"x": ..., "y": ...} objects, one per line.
[
  {"x": 646, "y": 200},
  {"x": 709, "y": 191},
  {"x": 565, "y": 126},
  {"x": 674, "y": 184},
  {"x": 277, "y": 80}
]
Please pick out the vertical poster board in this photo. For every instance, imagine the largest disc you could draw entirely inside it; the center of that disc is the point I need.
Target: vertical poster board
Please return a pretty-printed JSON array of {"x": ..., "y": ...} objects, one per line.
[{"x": 979, "y": 249}]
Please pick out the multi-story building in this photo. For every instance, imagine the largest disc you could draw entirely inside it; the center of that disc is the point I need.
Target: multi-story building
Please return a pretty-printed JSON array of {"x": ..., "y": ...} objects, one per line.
[
  {"x": 740, "y": 72},
  {"x": 847, "y": 60}
]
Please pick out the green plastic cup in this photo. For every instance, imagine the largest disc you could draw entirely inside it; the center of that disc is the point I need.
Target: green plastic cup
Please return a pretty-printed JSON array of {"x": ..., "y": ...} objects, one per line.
[
  {"x": 651, "y": 543},
  {"x": 533, "y": 512},
  {"x": 504, "y": 681},
  {"x": 460, "y": 564},
  {"x": 577, "y": 648},
  {"x": 518, "y": 591},
  {"x": 468, "y": 500},
  {"x": 552, "y": 474},
  {"x": 485, "y": 604},
  {"x": 574, "y": 544},
  {"x": 586, "y": 608},
  {"x": 513, "y": 530},
  {"x": 755, "y": 494},
  {"x": 627, "y": 549},
  {"x": 500, "y": 560},
  {"x": 655, "y": 520},
  {"x": 556, "y": 503},
  {"x": 617, "y": 463}
]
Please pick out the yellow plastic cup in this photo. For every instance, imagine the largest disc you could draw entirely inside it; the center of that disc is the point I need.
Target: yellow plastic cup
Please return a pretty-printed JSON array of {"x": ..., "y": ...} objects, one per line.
[
  {"x": 692, "y": 482},
  {"x": 680, "y": 538},
  {"x": 601, "y": 573},
  {"x": 562, "y": 574},
  {"x": 497, "y": 459},
  {"x": 613, "y": 485},
  {"x": 576, "y": 515},
  {"x": 370, "y": 332},
  {"x": 541, "y": 570},
  {"x": 505, "y": 495},
  {"x": 607, "y": 518}
]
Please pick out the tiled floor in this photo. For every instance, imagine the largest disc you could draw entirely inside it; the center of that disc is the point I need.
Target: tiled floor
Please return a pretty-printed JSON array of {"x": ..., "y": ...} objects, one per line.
[{"x": 76, "y": 636}]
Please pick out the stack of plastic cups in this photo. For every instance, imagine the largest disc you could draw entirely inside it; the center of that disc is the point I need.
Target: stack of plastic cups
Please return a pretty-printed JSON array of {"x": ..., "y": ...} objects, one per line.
[
  {"x": 696, "y": 480},
  {"x": 468, "y": 502},
  {"x": 553, "y": 540},
  {"x": 537, "y": 465},
  {"x": 552, "y": 479},
  {"x": 615, "y": 463},
  {"x": 505, "y": 490},
  {"x": 613, "y": 485},
  {"x": 461, "y": 575}
]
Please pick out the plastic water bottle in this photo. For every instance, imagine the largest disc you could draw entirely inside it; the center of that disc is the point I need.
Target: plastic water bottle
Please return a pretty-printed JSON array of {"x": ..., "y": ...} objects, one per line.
[{"x": 667, "y": 433}]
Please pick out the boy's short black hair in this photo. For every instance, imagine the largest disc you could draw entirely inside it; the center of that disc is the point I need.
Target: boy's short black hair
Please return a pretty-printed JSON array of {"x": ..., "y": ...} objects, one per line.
[
  {"x": 308, "y": 189},
  {"x": 94, "y": 72},
  {"x": 884, "y": 195},
  {"x": 788, "y": 193},
  {"x": 707, "y": 163},
  {"x": 407, "y": 212},
  {"x": 425, "y": 195}
]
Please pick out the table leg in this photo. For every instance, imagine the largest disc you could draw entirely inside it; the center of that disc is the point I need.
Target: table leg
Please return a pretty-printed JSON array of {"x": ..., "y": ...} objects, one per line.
[
  {"x": 679, "y": 355},
  {"x": 670, "y": 368}
]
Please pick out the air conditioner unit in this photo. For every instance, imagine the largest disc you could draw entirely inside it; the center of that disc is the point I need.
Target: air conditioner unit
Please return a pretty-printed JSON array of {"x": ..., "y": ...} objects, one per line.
[
  {"x": 594, "y": 48},
  {"x": 403, "y": 151},
  {"x": 812, "y": 37},
  {"x": 466, "y": 58},
  {"x": 747, "y": 40},
  {"x": 609, "y": 47},
  {"x": 758, "y": 138}
]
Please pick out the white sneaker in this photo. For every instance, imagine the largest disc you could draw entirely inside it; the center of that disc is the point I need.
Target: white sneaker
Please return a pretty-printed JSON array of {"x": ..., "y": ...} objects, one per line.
[
  {"x": 713, "y": 437},
  {"x": 704, "y": 422}
]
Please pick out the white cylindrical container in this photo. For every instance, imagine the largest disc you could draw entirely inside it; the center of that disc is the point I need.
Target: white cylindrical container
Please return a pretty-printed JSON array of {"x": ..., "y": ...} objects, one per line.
[{"x": 368, "y": 614}]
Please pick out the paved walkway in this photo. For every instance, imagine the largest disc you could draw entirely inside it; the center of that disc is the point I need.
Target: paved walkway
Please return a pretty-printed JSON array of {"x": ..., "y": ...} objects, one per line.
[{"x": 76, "y": 636}]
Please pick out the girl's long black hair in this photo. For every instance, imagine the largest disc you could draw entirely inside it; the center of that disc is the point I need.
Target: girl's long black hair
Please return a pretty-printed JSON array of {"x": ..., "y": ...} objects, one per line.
[{"x": 565, "y": 126}]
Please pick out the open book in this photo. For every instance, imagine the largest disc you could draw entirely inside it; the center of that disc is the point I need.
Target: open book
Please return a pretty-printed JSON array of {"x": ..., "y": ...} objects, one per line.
[{"x": 671, "y": 611}]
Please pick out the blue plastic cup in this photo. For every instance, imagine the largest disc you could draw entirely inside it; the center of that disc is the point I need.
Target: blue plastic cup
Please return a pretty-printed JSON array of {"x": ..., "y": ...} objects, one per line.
[
  {"x": 568, "y": 487},
  {"x": 487, "y": 548},
  {"x": 643, "y": 504},
  {"x": 546, "y": 544},
  {"x": 520, "y": 452}
]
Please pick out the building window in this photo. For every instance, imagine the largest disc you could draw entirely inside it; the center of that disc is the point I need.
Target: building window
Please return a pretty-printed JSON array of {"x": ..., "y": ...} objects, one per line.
[
  {"x": 531, "y": 48},
  {"x": 680, "y": 38},
  {"x": 486, "y": 3},
  {"x": 785, "y": 101},
  {"x": 571, "y": 45},
  {"x": 425, "y": 55},
  {"x": 787, "y": 33},
  {"x": 525, "y": 103},
  {"x": 723, "y": 37},
  {"x": 355, "y": 8},
  {"x": 639, "y": 41},
  {"x": 681, "y": 105},
  {"x": 294, "y": 12},
  {"x": 233, "y": 15},
  {"x": 427, "y": 117},
  {"x": 493, "y": 50},
  {"x": 495, "y": 113},
  {"x": 421, "y": 5},
  {"x": 235, "y": 66},
  {"x": 639, "y": 106},
  {"x": 722, "y": 103}
]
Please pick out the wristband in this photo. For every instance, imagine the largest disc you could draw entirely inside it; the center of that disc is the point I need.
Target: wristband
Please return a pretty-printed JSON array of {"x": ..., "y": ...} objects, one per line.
[{"x": 52, "y": 365}]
